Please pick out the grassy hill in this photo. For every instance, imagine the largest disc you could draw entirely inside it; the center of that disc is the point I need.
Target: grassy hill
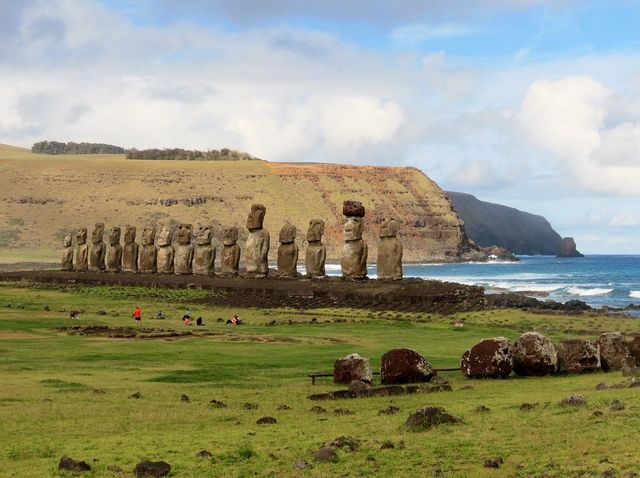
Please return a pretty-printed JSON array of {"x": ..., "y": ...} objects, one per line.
[{"x": 45, "y": 197}]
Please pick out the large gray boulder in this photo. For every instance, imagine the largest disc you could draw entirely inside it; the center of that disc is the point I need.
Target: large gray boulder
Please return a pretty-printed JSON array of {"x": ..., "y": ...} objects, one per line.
[
  {"x": 490, "y": 358},
  {"x": 534, "y": 355}
]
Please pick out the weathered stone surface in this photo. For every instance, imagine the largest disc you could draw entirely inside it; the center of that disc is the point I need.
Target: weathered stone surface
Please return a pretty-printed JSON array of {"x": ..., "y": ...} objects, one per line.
[
  {"x": 130, "y": 250},
  {"x": 634, "y": 348},
  {"x": 534, "y": 354},
  {"x": 288, "y": 252},
  {"x": 568, "y": 248},
  {"x": 404, "y": 365},
  {"x": 81, "y": 258},
  {"x": 230, "y": 262},
  {"x": 352, "y": 209},
  {"x": 205, "y": 253},
  {"x": 166, "y": 253},
  {"x": 97, "y": 251},
  {"x": 389, "y": 262},
  {"x": 113, "y": 256},
  {"x": 66, "y": 262},
  {"x": 266, "y": 421},
  {"x": 70, "y": 464},
  {"x": 184, "y": 251},
  {"x": 258, "y": 243},
  {"x": 352, "y": 367},
  {"x": 578, "y": 356},
  {"x": 354, "y": 252},
  {"x": 325, "y": 454},
  {"x": 147, "y": 260},
  {"x": 429, "y": 417},
  {"x": 490, "y": 358},
  {"x": 573, "y": 401},
  {"x": 152, "y": 469},
  {"x": 316, "y": 253},
  {"x": 613, "y": 350}
]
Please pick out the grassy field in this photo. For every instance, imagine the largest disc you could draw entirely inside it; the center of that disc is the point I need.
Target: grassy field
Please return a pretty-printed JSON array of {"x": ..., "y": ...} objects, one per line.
[{"x": 69, "y": 395}]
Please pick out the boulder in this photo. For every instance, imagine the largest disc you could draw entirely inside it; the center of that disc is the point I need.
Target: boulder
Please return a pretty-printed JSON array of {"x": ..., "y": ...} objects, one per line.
[
  {"x": 578, "y": 356},
  {"x": 429, "y": 417},
  {"x": 534, "y": 354},
  {"x": 152, "y": 469},
  {"x": 404, "y": 365},
  {"x": 352, "y": 208},
  {"x": 352, "y": 367},
  {"x": 70, "y": 464},
  {"x": 326, "y": 454},
  {"x": 490, "y": 358},
  {"x": 634, "y": 348},
  {"x": 613, "y": 350}
]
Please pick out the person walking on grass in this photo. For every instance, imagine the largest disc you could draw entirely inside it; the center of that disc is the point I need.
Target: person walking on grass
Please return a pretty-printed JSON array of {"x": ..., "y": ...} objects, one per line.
[{"x": 137, "y": 315}]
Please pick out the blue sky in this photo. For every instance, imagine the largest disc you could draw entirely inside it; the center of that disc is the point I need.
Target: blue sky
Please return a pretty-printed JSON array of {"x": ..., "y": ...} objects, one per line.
[{"x": 529, "y": 103}]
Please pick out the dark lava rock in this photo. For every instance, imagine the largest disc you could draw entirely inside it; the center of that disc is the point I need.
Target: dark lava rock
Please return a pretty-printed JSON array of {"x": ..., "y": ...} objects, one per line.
[
  {"x": 610, "y": 473},
  {"x": 597, "y": 413},
  {"x": 568, "y": 248},
  {"x": 613, "y": 350},
  {"x": 347, "y": 443},
  {"x": 204, "y": 454},
  {"x": 352, "y": 208},
  {"x": 70, "y": 464},
  {"x": 490, "y": 358},
  {"x": 343, "y": 411},
  {"x": 534, "y": 354},
  {"x": 528, "y": 406},
  {"x": 135, "y": 395},
  {"x": 404, "y": 365},
  {"x": 617, "y": 405},
  {"x": 101, "y": 312},
  {"x": 352, "y": 367},
  {"x": 602, "y": 386},
  {"x": 318, "y": 409},
  {"x": 634, "y": 348},
  {"x": 573, "y": 401},
  {"x": 47, "y": 308},
  {"x": 387, "y": 445},
  {"x": 283, "y": 407},
  {"x": 217, "y": 403},
  {"x": 250, "y": 406},
  {"x": 481, "y": 409},
  {"x": 152, "y": 469},
  {"x": 578, "y": 356},
  {"x": 390, "y": 410},
  {"x": 266, "y": 421},
  {"x": 303, "y": 464},
  {"x": 360, "y": 389},
  {"x": 634, "y": 383},
  {"x": 389, "y": 390},
  {"x": 325, "y": 454},
  {"x": 428, "y": 417},
  {"x": 493, "y": 462},
  {"x": 184, "y": 398}
]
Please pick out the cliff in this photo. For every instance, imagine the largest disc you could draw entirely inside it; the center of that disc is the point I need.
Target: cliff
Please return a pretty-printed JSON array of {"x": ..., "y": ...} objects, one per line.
[{"x": 45, "y": 197}]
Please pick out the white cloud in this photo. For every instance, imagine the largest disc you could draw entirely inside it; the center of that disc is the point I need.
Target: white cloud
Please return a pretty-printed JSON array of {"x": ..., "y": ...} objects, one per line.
[{"x": 420, "y": 32}]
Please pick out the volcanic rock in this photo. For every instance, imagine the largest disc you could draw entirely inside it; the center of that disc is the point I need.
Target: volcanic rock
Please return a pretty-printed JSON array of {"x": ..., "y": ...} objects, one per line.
[
  {"x": 534, "y": 354},
  {"x": 634, "y": 348},
  {"x": 352, "y": 208},
  {"x": 325, "y": 454},
  {"x": 70, "y": 464},
  {"x": 568, "y": 248},
  {"x": 152, "y": 469},
  {"x": 428, "y": 417},
  {"x": 490, "y": 358},
  {"x": 266, "y": 421},
  {"x": 404, "y": 365},
  {"x": 613, "y": 350},
  {"x": 578, "y": 356},
  {"x": 573, "y": 401},
  {"x": 352, "y": 367}
]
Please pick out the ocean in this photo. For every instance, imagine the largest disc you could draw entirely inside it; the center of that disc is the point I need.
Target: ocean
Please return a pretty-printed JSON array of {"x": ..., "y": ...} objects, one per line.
[{"x": 598, "y": 280}]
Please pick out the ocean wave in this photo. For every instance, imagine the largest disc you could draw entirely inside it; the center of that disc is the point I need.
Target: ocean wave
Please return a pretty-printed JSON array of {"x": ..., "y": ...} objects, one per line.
[
  {"x": 588, "y": 292},
  {"x": 635, "y": 294}
]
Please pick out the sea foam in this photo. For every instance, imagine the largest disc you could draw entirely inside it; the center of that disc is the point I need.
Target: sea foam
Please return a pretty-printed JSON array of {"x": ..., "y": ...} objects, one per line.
[
  {"x": 635, "y": 294},
  {"x": 588, "y": 292}
]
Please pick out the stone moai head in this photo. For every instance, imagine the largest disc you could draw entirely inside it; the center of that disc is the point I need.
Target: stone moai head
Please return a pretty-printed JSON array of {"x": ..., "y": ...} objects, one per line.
[
  {"x": 184, "y": 234},
  {"x": 287, "y": 234},
  {"x": 230, "y": 236},
  {"x": 81, "y": 236},
  {"x": 353, "y": 228},
  {"x": 204, "y": 235},
  {"x": 315, "y": 231},
  {"x": 114, "y": 236},
  {"x": 165, "y": 236},
  {"x": 389, "y": 227},
  {"x": 67, "y": 240},
  {"x": 256, "y": 217},
  {"x": 129, "y": 234},
  {"x": 148, "y": 236},
  {"x": 98, "y": 233}
]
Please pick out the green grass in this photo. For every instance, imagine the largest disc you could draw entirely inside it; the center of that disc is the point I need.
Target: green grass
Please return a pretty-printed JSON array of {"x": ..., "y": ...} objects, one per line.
[{"x": 69, "y": 395}]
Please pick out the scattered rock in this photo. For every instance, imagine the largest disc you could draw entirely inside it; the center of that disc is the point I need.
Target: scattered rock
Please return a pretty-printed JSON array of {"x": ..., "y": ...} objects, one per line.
[
  {"x": 610, "y": 473},
  {"x": 46, "y": 308},
  {"x": 360, "y": 389},
  {"x": 266, "y": 421},
  {"x": 490, "y": 358},
  {"x": 493, "y": 462},
  {"x": 481, "y": 409},
  {"x": 70, "y": 464},
  {"x": 633, "y": 384},
  {"x": 318, "y": 409},
  {"x": 184, "y": 398},
  {"x": 390, "y": 410},
  {"x": 617, "y": 405},
  {"x": 326, "y": 454},
  {"x": 613, "y": 350},
  {"x": 272, "y": 456},
  {"x": 115, "y": 469},
  {"x": 598, "y": 413},
  {"x": 578, "y": 356},
  {"x": 634, "y": 348},
  {"x": 101, "y": 312},
  {"x": 428, "y": 417},
  {"x": 204, "y": 454},
  {"x": 283, "y": 407},
  {"x": 602, "y": 386},
  {"x": 343, "y": 411},
  {"x": 303, "y": 464},
  {"x": 387, "y": 445},
  {"x": 347, "y": 443},
  {"x": 250, "y": 406},
  {"x": 272, "y": 323},
  {"x": 152, "y": 469},
  {"x": 135, "y": 395},
  {"x": 217, "y": 403},
  {"x": 404, "y": 365},
  {"x": 352, "y": 367},
  {"x": 528, "y": 406},
  {"x": 534, "y": 355},
  {"x": 573, "y": 401}
]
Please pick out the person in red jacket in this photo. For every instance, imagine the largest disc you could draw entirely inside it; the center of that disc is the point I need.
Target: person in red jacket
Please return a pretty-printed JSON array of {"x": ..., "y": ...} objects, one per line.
[{"x": 137, "y": 314}]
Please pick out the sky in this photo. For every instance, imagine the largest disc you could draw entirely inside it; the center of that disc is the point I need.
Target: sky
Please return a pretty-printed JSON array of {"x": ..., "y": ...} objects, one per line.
[{"x": 534, "y": 104}]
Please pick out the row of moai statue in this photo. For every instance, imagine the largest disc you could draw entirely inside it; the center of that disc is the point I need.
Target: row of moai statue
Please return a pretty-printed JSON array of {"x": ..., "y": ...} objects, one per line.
[{"x": 158, "y": 254}]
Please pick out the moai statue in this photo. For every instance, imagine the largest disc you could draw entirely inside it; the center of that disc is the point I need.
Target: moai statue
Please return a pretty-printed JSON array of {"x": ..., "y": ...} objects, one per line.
[
  {"x": 205, "y": 254},
  {"x": 230, "y": 262},
  {"x": 165, "y": 251},
  {"x": 80, "y": 262},
  {"x": 113, "y": 257},
  {"x": 97, "y": 251},
  {"x": 184, "y": 251},
  {"x": 147, "y": 259},
  {"x": 316, "y": 253},
  {"x": 257, "y": 246},
  {"x": 67, "y": 254},
  {"x": 130, "y": 251},
  {"x": 389, "y": 261},
  {"x": 354, "y": 251},
  {"x": 288, "y": 252}
]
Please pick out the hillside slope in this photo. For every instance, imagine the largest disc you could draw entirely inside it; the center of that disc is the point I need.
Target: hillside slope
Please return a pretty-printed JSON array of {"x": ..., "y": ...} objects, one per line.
[
  {"x": 44, "y": 197},
  {"x": 518, "y": 231}
]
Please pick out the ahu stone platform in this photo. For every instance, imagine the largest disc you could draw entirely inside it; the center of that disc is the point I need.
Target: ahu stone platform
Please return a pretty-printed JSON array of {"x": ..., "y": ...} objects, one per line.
[{"x": 406, "y": 295}]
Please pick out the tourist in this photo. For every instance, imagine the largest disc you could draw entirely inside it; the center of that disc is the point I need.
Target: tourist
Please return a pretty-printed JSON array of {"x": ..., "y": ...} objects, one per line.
[
  {"x": 159, "y": 315},
  {"x": 137, "y": 314},
  {"x": 74, "y": 315},
  {"x": 187, "y": 320},
  {"x": 234, "y": 321},
  {"x": 199, "y": 321}
]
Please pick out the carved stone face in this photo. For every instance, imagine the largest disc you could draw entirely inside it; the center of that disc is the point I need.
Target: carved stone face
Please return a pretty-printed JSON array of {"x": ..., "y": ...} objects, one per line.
[
  {"x": 114, "y": 237},
  {"x": 316, "y": 230},
  {"x": 287, "y": 234},
  {"x": 256, "y": 217},
  {"x": 129, "y": 234},
  {"x": 67, "y": 240},
  {"x": 148, "y": 236},
  {"x": 184, "y": 234},
  {"x": 389, "y": 227},
  {"x": 81, "y": 235},
  {"x": 230, "y": 236},
  {"x": 353, "y": 228},
  {"x": 165, "y": 235},
  {"x": 98, "y": 233},
  {"x": 204, "y": 235}
]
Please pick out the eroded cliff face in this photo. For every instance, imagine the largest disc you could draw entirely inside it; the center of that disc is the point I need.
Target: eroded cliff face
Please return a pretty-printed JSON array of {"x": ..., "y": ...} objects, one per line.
[{"x": 44, "y": 198}]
